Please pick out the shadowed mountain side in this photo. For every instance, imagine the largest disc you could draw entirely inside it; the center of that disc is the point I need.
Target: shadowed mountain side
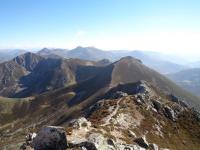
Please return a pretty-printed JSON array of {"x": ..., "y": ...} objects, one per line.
[{"x": 28, "y": 60}]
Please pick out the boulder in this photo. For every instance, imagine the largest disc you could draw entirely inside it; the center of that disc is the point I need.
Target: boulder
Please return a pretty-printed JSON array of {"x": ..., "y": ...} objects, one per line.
[
  {"x": 153, "y": 146},
  {"x": 98, "y": 140},
  {"x": 142, "y": 142},
  {"x": 83, "y": 145},
  {"x": 157, "y": 105},
  {"x": 28, "y": 142},
  {"x": 118, "y": 94},
  {"x": 79, "y": 123},
  {"x": 141, "y": 98},
  {"x": 174, "y": 98},
  {"x": 183, "y": 104},
  {"x": 50, "y": 138},
  {"x": 30, "y": 137},
  {"x": 129, "y": 147},
  {"x": 169, "y": 113}
]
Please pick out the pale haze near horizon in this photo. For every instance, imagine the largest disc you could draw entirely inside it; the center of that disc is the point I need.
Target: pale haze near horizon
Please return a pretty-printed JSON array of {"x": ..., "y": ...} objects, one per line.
[{"x": 164, "y": 26}]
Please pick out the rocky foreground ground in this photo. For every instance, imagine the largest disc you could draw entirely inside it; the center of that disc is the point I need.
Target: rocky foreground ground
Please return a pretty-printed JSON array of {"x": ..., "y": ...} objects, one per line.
[{"x": 121, "y": 121}]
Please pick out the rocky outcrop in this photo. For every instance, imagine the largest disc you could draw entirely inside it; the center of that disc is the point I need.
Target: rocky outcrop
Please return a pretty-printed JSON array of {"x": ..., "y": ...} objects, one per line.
[
  {"x": 153, "y": 146},
  {"x": 157, "y": 105},
  {"x": 50, "y": 138},
  {"x": 28, "y": 142},
  {"x": 129, "y": 147},
  {"x": 83, "y": 145},
  {"x": 169, "y": 113},
  {"x": 118, "y": 94},
  {"x": 142, "y": 142},
  {"x": 80, "y": 122}
]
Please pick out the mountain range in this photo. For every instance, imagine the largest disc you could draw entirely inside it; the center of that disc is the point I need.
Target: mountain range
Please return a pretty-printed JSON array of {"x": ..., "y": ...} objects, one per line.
[
  {"x": 30, "y": 74},
  {"x": 160, "y": 62},
  {"x": 124, "y": 101}
]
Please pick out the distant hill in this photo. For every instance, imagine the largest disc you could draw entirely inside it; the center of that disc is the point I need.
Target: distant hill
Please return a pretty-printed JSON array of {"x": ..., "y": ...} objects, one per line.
[
  {"x": 160, "y": 62},
  {"x": 53, "y": 53},
  {"x": 188, "y": 79},
  {"x": 85, "y": 53}
]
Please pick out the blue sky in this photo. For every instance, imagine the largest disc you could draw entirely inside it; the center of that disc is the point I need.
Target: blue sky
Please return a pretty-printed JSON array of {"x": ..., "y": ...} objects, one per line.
[{"x": 157, "y": 25}]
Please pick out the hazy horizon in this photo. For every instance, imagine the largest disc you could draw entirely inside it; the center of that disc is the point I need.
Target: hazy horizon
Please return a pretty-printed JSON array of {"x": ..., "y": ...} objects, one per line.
[{"x": 170, "y": 27}]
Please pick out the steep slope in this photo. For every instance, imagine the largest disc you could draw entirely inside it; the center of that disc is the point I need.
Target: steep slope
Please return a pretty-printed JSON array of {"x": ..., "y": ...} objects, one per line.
[
  {"x": 188, "y": 79},
  {"x": 129, "y": 70},
  {"x": 28, "y": 60},
  {"x": 10, "y": 74},
  {"x": 12, "y": 71},
  {"x": 30, "y": 74},
  {"x": 51, "y": 74}
]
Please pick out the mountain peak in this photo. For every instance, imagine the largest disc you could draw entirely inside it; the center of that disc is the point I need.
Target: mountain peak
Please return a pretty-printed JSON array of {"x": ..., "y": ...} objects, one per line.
[
  {"x": 130, "y": 58},
  {"x": 28, "y": 60}
]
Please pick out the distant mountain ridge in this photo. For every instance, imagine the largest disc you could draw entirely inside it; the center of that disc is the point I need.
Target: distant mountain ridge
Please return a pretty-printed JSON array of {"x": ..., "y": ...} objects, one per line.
[
  {"x": 118, "y": 95},
  {"x": 158, "y": 61},
  {"x": 188, "y": 79}
]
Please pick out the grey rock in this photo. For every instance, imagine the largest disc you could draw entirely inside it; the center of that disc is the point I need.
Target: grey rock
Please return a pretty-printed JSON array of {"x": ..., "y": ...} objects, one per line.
[
  {"x": 169, "y": 113},
  {"x": 50, "y": 138},
  {"x": 153, "y": 146},
  {"x": 174, "y": 98},
  {"x": 183, "y": 104},
  {"x": 80, "y": 122},
  {"x": 83, "y": 145},
  {"x": 157, "y": 105},
  {"x": 141, "y": 98},
  {"x": 118, "y": 94},
  {"x": 142, "y": 142},
  {"x": 129, "y": 147}
]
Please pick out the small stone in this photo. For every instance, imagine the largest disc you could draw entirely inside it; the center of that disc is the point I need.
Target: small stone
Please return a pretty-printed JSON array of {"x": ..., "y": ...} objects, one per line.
[{"x": 132, "y": 134}]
